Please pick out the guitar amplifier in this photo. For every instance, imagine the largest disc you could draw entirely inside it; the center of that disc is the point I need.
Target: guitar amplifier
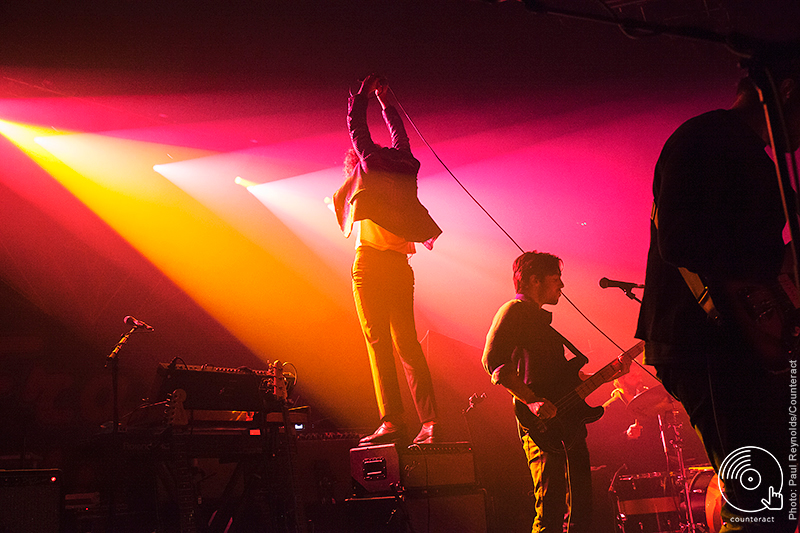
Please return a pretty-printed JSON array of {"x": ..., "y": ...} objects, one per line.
[
  {"x": 375, "y": 469},
  {"x": 459, "y": 508},
  {"x": 30, "y": 501},
  {"x": 437, "y": 465},
  {"x": 385, "y": 468}
]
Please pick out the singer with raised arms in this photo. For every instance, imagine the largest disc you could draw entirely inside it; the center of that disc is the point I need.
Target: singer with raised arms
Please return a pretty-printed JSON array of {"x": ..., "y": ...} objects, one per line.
[{"x": 379, "y": 199}]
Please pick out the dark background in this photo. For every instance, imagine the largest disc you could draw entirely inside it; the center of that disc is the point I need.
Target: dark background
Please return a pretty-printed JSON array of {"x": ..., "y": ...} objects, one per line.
[{"x": 494, "y": 87}]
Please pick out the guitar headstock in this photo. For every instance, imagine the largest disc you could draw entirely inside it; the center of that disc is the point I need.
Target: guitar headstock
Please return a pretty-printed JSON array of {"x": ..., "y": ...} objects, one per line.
[{"x": 176, "y": 414}]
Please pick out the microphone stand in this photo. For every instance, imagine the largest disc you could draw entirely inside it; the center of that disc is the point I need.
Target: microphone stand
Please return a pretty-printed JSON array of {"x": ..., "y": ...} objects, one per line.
[
  {"x": 629, "y": 293},
  {"x": 113, "y": 360},
  {"x": 627, "y": 288},
  {"x": 759, "y": 70}
]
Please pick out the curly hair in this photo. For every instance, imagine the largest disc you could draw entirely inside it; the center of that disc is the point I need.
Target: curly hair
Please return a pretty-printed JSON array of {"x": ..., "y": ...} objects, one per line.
[{"x": 351, "y": 161}]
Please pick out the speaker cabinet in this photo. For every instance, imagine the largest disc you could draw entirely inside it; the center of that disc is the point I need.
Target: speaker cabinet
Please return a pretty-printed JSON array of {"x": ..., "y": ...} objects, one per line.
[
  {"x": 30, "y": 501},
  {"x": 437, "y": 465},
  {"x": 461, "y": 509},
  {"x": 386, "y": 468}
]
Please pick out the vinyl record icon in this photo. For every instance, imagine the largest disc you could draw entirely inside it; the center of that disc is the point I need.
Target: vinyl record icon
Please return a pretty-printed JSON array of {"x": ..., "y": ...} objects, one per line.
[{"x": 755, "y": 476}]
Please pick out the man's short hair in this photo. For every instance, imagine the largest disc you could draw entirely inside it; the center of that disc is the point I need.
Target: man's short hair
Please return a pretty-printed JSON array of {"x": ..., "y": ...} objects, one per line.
[{"x": 538, "y": 264}]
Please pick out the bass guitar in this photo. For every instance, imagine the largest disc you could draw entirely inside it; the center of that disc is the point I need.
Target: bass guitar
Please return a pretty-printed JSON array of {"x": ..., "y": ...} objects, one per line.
[{"x": 557, "y": 433}]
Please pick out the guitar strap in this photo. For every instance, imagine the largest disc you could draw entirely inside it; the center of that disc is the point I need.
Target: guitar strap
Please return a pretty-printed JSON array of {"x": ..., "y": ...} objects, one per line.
[
  {"x": 696, "y": 285},
  {"x": 571, "y": 347}
]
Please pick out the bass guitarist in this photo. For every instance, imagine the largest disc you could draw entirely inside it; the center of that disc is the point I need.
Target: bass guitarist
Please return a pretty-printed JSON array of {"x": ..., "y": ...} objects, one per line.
[{"x": 526, "y": 355}]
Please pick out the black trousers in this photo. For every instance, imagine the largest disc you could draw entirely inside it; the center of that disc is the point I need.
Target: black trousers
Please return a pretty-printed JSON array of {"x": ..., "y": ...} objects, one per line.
[{"x": 746, "y": 417}]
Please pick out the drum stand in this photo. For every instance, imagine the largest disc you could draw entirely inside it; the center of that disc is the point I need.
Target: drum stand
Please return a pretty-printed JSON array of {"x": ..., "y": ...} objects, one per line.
[
  {"x": 656, "y": 402},
  {"x": 682, "y": 480}
]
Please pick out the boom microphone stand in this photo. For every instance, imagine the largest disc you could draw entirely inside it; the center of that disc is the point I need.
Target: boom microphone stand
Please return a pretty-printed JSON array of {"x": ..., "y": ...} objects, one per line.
[{"x": 113, "y": 360}]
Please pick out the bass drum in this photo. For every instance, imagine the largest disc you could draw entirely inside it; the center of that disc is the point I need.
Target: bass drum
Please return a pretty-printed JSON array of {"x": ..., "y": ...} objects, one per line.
[
  {"x": 646, "y": 503},
  {"x": 705, "y": 500}
]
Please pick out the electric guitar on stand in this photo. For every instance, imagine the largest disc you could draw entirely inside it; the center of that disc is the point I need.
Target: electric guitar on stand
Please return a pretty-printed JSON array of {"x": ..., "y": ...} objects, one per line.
[
  {"x": 177, "y": 421},
  {"x": 559, "y": 432}
]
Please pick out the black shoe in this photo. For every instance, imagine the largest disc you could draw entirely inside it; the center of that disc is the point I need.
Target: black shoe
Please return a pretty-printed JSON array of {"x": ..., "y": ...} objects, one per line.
[
  {"x": 427, "y": 435},
  {"x": 387, "y": 433}
]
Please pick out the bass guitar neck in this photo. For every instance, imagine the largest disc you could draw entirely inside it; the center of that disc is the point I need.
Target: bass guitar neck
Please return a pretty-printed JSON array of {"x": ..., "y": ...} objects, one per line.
[{"x": 573, "y": 413}]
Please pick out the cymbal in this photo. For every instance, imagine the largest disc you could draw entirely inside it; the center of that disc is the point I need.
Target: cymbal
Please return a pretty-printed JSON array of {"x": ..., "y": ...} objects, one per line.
[{"x": 651, "y": 402}]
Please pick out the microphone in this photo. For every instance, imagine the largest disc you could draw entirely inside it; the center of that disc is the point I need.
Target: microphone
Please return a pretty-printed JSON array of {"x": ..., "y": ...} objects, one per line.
[
  {"x": 624, "y": 285},
  {"x": 131, "y": 321}
]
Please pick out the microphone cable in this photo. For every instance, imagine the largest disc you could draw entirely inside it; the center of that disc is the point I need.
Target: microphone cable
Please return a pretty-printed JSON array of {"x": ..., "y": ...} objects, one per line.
[
  {"x": 410, "y": 121},
  {"x": 419, "y": 133},
  {"x": 581, "y": 313}
]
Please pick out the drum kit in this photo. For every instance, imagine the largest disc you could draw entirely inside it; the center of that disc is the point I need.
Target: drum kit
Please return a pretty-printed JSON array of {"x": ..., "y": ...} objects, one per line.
[{"x": 683, "y": 499}]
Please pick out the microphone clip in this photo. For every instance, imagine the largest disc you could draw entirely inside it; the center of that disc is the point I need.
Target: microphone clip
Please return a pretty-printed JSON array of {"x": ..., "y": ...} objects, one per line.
[{"x": 138, "y": 324}]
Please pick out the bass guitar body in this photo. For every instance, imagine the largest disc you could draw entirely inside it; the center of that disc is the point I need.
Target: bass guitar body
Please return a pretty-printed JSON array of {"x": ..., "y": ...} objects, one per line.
[
  {"x": 561, "y": 431},
  {"x": 568, "y": 394}
]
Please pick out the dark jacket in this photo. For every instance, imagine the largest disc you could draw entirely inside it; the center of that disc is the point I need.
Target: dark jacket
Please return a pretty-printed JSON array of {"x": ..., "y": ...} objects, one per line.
[
  {"x": 383, "y": 187},
  {"x": 719, "y": 215},
  {"x": 522, "y": 341}
]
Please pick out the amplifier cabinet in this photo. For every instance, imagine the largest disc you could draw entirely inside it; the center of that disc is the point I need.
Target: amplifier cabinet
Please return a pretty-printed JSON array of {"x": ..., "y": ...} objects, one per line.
[
  {"x": 388, "y": 468},
  {"x": 375, "y": 469},
  {"x": 30, "y": 501},
  {"x": 322, "y": 471},
  {"x": 437, "y": 465},
  {"x": 459, "y": 509}
]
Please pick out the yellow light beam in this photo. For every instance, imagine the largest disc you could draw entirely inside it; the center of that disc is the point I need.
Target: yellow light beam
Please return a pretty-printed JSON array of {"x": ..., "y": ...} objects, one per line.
[{"x": 248, "y": 290}]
